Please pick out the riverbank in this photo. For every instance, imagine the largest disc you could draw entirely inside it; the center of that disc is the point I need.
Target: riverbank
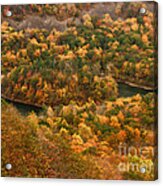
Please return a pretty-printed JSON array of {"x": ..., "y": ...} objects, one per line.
[
  {"x": 148, "y": 88},
  {"x": 21, "y": 102}
]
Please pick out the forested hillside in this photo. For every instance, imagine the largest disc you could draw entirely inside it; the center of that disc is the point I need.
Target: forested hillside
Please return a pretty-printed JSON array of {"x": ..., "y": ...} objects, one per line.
[{"x": 68, "y": 60}]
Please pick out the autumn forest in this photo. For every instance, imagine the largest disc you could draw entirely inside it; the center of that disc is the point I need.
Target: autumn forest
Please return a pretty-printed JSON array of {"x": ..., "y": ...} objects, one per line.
[{"x": 68, "y": 61}]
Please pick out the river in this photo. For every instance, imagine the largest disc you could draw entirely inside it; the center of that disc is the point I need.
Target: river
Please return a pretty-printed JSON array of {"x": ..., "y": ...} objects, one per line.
[
  {"x": 127, "y": 90},
  {"x": 124, "y": 91}
]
